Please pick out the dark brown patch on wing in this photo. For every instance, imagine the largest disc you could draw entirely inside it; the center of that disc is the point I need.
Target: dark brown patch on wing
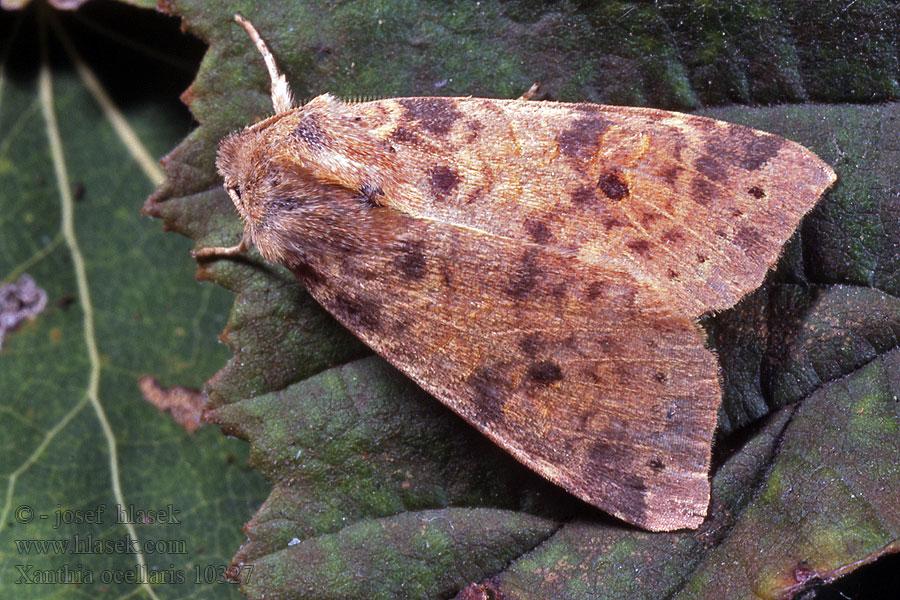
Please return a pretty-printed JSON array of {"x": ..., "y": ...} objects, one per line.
[
  {"x": 526, "y": 276},
  {"x": 748, "y": 237},
  {"x": 704, "y": 192},
  {"x": 758, "y": 148},
  {"x": 310, "y": 133},
  {"x": 670, "y": 175},
  {"x": 538, "y": 231},
  {"x": 611, "y": 461},
  {"x": 642, "y": 247},
  {"x": 474, "y": 126},
  {"x": 443, "y": 180},
  {"x": 531, "y": 344},
  {"x": 609, "y": 344},
  {"x": 411, "y": 261},
  {"x": 757, "y": 192},
  {"x": 711, "y": 167},
  {"x": 595, "y": 289},
  {"x": 308, "y": 276},
  {"x": 357, "y": 313},
  {"x": 656, "y": 464},
  {"x": 583, "y": 195},
  {"x": 610, "y": 222},
  {"x": 436, "y": 115},
  {"x": 489, "y": 389},
  {"x": 672, "y": 235},
  {"x": 581, "y": 139},
  {"x": 402, "y": 134},
  {"x": 613, "y": 185},
  {"x": 558, "y": 290},
  {"x": 744, "y": 147},
  {"x": 545, "y": 372},
  {"x": 446, "y": 276}
]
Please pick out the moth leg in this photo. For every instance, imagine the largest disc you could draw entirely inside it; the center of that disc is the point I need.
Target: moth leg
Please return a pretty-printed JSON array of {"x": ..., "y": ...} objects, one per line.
[
  {"x": 282, "y": 97},
  {"x": 224, "y": 251},
  {"x": 531, "y": 92}
]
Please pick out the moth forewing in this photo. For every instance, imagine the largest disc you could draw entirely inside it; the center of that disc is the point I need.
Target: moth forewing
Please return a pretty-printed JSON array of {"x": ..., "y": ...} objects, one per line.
[{"x": 539, "y": 267}]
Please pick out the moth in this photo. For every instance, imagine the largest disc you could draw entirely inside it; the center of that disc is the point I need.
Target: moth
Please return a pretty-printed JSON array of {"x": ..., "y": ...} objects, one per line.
[{"x": 539, "y": 267}]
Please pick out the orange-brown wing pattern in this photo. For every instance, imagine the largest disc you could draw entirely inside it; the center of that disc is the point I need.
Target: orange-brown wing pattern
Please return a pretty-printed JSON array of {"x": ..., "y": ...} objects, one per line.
[{"x": 537, "y": 266}]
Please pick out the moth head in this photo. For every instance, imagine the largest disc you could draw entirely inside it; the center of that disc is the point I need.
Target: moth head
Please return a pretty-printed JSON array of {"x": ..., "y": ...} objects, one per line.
[
  {"x": 237, "y": 162},
  {"x": 253, "y": 169},
  {"x": 290, "y": 193}
]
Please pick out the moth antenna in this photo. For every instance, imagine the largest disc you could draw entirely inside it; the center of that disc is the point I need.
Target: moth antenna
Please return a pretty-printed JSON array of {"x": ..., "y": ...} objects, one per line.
[
  {"x": 531, "y": 91},
  {"x": 282, "y": 97}
]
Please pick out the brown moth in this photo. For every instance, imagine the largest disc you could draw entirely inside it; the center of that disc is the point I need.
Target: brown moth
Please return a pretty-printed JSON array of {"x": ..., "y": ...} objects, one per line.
[{"x": 539, "y": 267}]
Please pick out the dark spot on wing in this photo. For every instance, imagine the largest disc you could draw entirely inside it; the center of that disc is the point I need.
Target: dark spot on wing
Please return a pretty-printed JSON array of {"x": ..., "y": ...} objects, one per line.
[
  {"x": 613, "y": 185},
  {"x": 704, "y": 191},
  {"x": 702, "y": 258},
  {"x": 446, "y": 276},
  {"x": 558, "y": 290},
  {"x": 748, "y": 237},
  {"x": 672, "y": 235},
  {"x": 623, "y": 372},
  {"x": 309, "y": 132},
  {"x": 656, "y": 464},
  {"x": 308, "y": 276},
  {"x": 443, "y": 180},
  {"x": 596, "y": 289},
  {"x": 545, "y": 372},
  {"x": 583, "y": 195},
  {"x": 757, "y": 192},
  {"x": 757, "y": 148},
  {"x": 526, "y": 276},
  {"x": 670, "y": 175},
  {"x": 610, "y": 459},
  {"x": 531, "y": 344},
  {"x": 402, "y": 134},
  {"x": 411, "y": 261},
  {"x": 474, "y": 126},
  {"x": 660, "y": 377},
  {"x": 641, "y": 247},
  {"x": 581, "y": 139},
  {"x": 357, "y": 313},
  {"x": 743, "y": 147},
  {"x": 610, "y": 222},
  {"x": 435, "y": 115},
  {"x": 538, "y": 231},
  {"x": 489, "y": 390},
  {"x": 609, "y": 344},
  {"x": 711, "y": 167}
]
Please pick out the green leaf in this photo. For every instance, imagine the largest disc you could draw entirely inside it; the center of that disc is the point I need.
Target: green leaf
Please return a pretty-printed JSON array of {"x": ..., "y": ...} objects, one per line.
[
  {"x": 360, "y": 458},
  {"x": 77, "y": 438}
]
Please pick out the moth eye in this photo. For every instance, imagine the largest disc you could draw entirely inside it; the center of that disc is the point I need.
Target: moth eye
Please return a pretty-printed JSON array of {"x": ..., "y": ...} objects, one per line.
[{"x": 234, "y": 191}]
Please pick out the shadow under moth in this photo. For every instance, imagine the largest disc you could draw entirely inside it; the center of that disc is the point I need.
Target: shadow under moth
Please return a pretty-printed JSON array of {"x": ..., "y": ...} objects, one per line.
[{"x": 539, "y": 267}]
